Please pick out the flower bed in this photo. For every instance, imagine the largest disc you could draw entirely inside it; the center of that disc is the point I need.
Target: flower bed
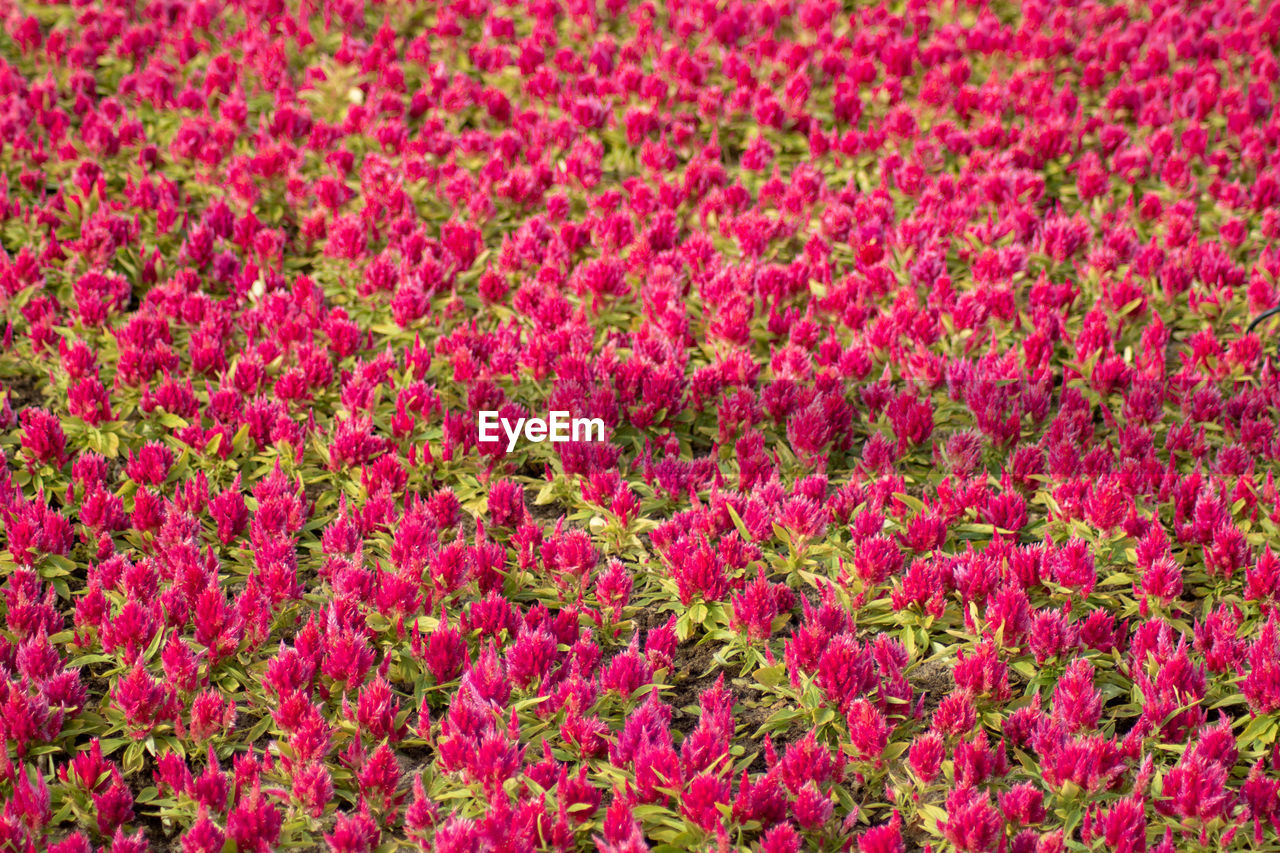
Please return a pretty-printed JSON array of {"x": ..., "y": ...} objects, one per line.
[{"x": 934, "y": 503}]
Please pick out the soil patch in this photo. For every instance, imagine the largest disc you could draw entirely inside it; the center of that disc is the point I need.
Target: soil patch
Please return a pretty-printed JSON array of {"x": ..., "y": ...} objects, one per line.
[
  {"x": 933, "y": 679},
  {"x": 547, "y": 513},
  {"x": 693, "y": 670},
  {"x": 24, "y": 391}
]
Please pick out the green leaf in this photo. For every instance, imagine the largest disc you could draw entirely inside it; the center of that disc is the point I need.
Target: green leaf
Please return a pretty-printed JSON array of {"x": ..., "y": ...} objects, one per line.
[
  {"x": 771, "y": 676},
  {"x": 133, "y": 758},
  {"x": 86, "y": 660},
  {"x": 698, "y": 613},
  {"x": 908, "y": 637},
  {"x": 912, "y": 502},
  {"x": 1024, "y": 668},
  {"x": 546, "y": 495},
  {"x": 241, "y": 441},
  {"x": 111, "y": 744},
  {"x": 259, "y": 729},
  {"x": 1261, "y": 731}
]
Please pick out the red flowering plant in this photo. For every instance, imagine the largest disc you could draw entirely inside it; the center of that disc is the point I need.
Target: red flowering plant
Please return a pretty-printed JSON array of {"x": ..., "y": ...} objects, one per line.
[{"x": 917, "y": 487}]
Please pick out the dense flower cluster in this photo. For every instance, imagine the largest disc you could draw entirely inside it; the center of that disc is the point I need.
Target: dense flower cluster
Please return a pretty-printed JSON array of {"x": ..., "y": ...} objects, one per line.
[{"x": 938, "y": 501}]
